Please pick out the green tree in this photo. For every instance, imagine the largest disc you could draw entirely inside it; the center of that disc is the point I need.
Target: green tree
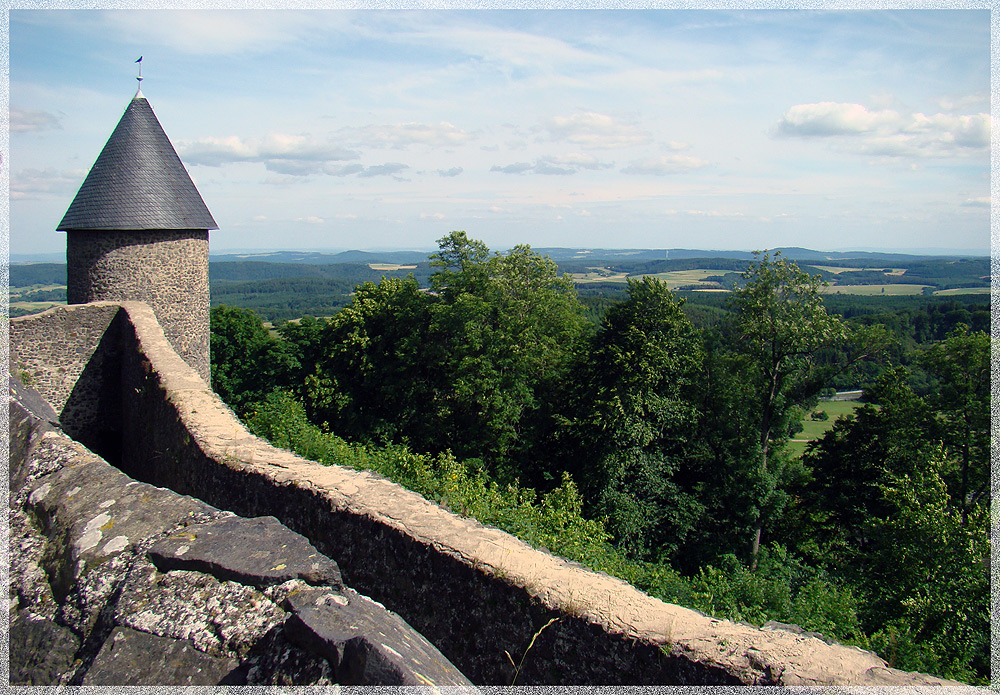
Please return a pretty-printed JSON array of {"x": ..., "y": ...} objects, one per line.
[
  {"x": 505, "y": 328},
  {"x": 885, "y": 510},
  {"x": 637, "y": 422},
  {"x": 374, "y": 379},
  {"x": 848, "y": 467},
  {"x": 960, "y": 368},
  {"x": 927, "y": 583},
  {"x": 247, "y": 361},
  {"x": 782, "y": 326},
  {"x": 470, "y": 366}
]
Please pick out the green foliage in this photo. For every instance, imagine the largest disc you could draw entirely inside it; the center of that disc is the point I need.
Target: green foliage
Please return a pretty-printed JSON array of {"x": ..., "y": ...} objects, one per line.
[
  {"x": 960, "y": 369},
  {"x": 890, "y": 509},
  {"x": 927, "y": 582},
  {"x": 782, "y": 327},
  {"x": 552, "y": 520},
  {"x": 636, "y": 419},
  {"x": 472, "y": 367},
  {"x": 369, "y": 378},
  {"x": 246, "y": 360},
  {"x": 781, "y": 588}
]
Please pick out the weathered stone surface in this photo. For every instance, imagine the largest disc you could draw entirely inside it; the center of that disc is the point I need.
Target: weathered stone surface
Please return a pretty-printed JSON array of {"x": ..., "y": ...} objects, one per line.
[
  {"x": 130, "y": 657},
  {"x": 258, "y": 552},
  {"x": 89, "y": 606},
  {"x": 367, "y": 644},
  {"x": 794, "y": 629},
  {"x": 217, "y": 617},
  {"x": 40, "y": 650}
]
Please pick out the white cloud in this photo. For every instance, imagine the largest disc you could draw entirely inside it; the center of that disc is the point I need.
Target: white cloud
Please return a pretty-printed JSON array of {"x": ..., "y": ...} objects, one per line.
[
  {"x": 517, "y": 168},
  {"x": 966, "y": 102},
  {"x": 37, "y": 183},
  {"x": 831, "y": 118},
  {"x": 964, "y": 131},
  {"x": 454, "y": 171},
  {"x": 401, "y": 135},
  {"x": 577, "y": 160},
  {"x": 978, "y": 202},
  {"x": 342, "y": 169},
  {"x": 554, "y": 165},
  {"x": 295, "y": 155},
  {"x": 595, "y": 131},
  {"x": 30, "y": 120},
  {"x": 664, "y": 164},
  {"x": 888, "y": 133},
  {"x": 311, "y": 219},
  {"x": 390, "y": 169}
]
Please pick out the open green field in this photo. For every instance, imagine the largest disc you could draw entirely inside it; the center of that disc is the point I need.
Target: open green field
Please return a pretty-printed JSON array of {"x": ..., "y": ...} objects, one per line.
[
  {"x": 871, "y": 290},
  {"x": 673, "y": 278},
  {"x": 599, "y": 275},
  {"x": 684, "y": 278},
  {"x": 31, "y": 305},
  {"x": 815, "y": 429},
  {"x": 964, "y": 290},
  {"x": 34, "y": 306},
  {"x": 836, "y": 269},
  {"x": 13, "y": 292}
]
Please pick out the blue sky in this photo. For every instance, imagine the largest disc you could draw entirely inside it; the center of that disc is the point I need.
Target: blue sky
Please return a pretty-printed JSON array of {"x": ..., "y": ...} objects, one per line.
[{"x": 337, "y": 129}]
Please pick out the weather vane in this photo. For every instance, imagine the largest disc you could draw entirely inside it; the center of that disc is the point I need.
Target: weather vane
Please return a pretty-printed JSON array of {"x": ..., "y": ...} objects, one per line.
[{"x": 140, "y": 70}]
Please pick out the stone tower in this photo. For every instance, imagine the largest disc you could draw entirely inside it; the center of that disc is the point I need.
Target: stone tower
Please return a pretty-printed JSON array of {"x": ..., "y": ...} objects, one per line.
[{"x": 138, "y": 230}]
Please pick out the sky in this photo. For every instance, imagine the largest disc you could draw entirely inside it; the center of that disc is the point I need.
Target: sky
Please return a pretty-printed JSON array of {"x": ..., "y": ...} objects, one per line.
[{"x": 377, "y": 129}]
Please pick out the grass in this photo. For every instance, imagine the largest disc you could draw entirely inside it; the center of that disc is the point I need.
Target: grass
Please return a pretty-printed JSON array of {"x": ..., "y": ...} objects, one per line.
[
  {"x": 34, "y": 307},
  {"x": 673, "y": 279},
  {"x": 964, "y": 290},
  {"x": 874, "y": 290},
  {"x": 815, "y": 429},
  {"x": 837, "y": 270},
  {"x": 18, "y": 291}
]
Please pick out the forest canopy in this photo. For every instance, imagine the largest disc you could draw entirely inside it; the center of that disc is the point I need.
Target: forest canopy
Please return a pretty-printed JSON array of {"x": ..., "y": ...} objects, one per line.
[{"x": 660, "y": 434}]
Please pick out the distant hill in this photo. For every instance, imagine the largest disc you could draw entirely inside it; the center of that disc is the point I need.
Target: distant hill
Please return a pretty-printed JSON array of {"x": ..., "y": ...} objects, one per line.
[
  {"x": 561, "y": 254},
  {"x": 320, "y": 258}
]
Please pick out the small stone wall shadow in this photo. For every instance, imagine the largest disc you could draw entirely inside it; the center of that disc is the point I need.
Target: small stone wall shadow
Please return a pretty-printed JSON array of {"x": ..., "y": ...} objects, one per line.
[{"x": 92, "y": 414}]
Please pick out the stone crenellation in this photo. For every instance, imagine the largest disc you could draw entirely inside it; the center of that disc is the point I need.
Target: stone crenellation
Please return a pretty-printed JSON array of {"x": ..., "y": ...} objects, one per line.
[{"x": 462, "y": 593}]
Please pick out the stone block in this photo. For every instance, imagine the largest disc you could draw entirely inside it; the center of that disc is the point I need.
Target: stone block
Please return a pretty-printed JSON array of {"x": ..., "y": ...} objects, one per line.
[
  {"x": 256, "y": 552},
  {"x": 40, "y": 650},
  {"x": 130, "y": 657},
  {"x": 367, "y": 644}
]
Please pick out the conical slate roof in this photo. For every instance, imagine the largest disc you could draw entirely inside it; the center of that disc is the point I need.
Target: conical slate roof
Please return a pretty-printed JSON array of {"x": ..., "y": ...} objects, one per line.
[{"x": 137, "y": 182}]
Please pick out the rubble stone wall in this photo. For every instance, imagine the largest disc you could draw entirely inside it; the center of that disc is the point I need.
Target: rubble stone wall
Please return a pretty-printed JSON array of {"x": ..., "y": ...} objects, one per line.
[
  {"x": 115, "y": 582},
  {"x": 167, "y": 269},
  {"x": 476, "y": 593}
]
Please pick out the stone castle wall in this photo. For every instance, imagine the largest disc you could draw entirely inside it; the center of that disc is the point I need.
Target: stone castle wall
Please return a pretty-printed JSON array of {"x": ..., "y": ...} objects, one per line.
[
  {"x": 478, "y": 594},
  {"x": 168, "y": 269},
  {"x": 119, "y": 583}
]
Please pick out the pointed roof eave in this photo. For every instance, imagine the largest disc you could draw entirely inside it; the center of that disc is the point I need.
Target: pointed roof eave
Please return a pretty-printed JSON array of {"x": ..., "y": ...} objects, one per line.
[{"x": 137, "y": 182}]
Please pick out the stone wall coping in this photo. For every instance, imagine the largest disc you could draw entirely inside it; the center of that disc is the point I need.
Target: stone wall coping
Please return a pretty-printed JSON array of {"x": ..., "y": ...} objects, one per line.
[{"x": 748, "y": 653}]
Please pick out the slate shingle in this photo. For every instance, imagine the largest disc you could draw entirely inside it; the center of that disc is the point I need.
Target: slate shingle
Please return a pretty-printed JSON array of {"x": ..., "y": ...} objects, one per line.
[{"x": 137, "y": 182}]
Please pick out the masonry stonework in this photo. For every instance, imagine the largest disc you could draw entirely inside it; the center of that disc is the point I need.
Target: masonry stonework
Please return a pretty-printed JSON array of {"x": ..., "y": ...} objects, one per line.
[{"x": 167, "y": 269}]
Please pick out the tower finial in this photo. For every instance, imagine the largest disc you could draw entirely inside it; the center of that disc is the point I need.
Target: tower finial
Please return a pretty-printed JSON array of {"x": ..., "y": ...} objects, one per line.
[{"x": 139, "y": 78}]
